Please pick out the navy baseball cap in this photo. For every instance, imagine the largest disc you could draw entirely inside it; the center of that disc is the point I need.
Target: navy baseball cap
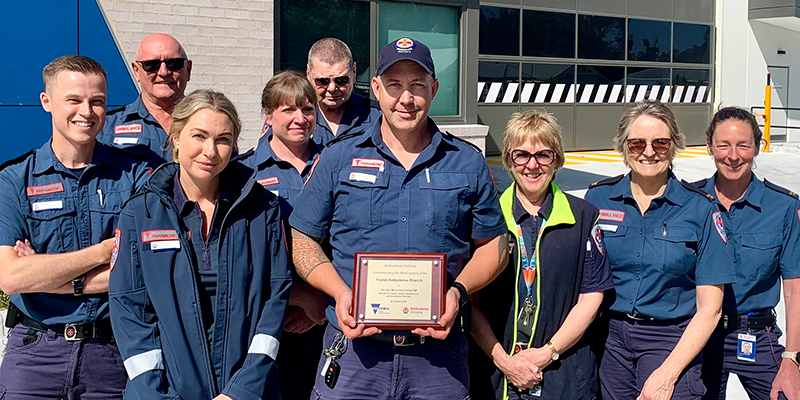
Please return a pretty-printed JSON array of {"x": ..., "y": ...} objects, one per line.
[{"x": 405, "y": 49}]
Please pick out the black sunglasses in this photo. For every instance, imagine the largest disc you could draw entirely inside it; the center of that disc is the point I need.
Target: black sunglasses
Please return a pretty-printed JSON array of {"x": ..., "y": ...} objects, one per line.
[
  {"x": 339, "y": 81},
  {"x": 543, "y": 157},
  {"x": 173, "y": 64},
  {"x": 660, "y": 146}
]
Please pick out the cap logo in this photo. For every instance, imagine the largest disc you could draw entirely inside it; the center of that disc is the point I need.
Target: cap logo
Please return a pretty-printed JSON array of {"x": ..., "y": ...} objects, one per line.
[{"x": 404, "y": 45}]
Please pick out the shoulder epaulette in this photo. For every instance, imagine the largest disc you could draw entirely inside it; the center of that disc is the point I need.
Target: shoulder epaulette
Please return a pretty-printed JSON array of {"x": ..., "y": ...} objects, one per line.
[
  {"x": 607, "y": 181},
  {"x": 692, "y": 188},
  {"x": 16, "y": 160},
  {"x": 700, "y": 184},
  {"x": 473, "y": 145},
  {"x": 242, "y": 156},
  {"x": 344, "y": 137},
  {"x": 115, "y": 110},
  {"x": 780, "y": 189}
]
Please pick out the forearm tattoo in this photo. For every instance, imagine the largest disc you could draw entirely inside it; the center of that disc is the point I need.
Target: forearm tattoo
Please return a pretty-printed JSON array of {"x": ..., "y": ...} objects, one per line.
[{"x": 307, "y": 254}]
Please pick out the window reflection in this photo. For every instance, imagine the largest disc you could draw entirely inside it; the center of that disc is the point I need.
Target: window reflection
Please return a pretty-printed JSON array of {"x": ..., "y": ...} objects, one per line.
[
  {"x": 648, "y": 40},
  {"x": 498, "y": 82},
  {"x": 548, "y": 34},
  {"x": 691, "y": 86},
  {"x": 499, "y": 31},
  {"x": 546, "y": 83},
  {"x": 691, "y": 43},
  {"x": 601, "y": 37},
  {"x": 599, "y": 84}
]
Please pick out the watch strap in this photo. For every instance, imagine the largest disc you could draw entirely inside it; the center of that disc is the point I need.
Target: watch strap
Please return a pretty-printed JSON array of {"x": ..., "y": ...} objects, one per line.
[
  {"x": 792, "y": 355},
  {"x": 555, "y": 354},
  {"x": 77, "y": 285},
  {"x": 464, "y": 300}
]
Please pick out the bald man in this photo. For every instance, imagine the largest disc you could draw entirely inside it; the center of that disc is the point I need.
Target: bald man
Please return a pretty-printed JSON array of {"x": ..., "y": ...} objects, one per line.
[{"x": 162, "y": 70}]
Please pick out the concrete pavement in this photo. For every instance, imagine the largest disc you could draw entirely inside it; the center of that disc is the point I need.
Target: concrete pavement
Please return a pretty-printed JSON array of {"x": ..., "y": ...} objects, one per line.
[{"x": 581, "y": 169}]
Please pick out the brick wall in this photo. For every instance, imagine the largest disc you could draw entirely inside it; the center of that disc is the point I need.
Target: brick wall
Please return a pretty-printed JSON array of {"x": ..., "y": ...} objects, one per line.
[{"x": 230, "y": 42}]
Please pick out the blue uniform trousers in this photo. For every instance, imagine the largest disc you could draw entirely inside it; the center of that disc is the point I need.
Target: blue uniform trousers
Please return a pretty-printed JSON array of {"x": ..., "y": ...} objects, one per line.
[
  {"x": 43, "y": 365},
  {"x": 376, "y": 370},
  {"x": 633, "y": 350},
  {"x": 720, "y": 360}
]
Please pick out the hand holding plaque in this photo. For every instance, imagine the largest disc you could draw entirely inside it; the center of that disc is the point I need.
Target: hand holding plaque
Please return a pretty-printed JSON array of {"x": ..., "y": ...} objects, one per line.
[{"x": 399, "y": 290}]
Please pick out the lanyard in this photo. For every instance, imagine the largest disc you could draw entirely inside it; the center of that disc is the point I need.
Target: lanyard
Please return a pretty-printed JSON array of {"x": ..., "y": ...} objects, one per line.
[{"x": 529, "y": 266}]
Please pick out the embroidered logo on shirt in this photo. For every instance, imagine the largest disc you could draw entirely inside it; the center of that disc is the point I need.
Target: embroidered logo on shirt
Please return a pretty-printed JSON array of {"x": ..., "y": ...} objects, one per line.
[
  {"x": 368, "y": 163},
  {"x": 45, "y": 189},
  {"x": 717, "y": 217},
  {"x": 115, "y": 252},
  {"x": 269, "y": 181},
  {"x": 159, "y": 234},
  {"x": 130, "y": 128},
  {"x": 612, "y": 215},
  {"x": 597, "y": 236}
]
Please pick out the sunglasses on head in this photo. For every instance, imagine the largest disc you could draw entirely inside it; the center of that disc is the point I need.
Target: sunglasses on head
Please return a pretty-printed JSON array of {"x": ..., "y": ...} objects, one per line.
[
  {"x": 543, "y": 157},
  {"x": 638, "y": 146},
  {"x": 173, "y": 64},
  {"x": 339, "y": 81}
]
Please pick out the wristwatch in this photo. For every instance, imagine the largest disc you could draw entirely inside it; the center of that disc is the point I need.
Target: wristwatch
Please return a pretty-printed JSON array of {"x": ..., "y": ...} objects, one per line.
[
  {"x": 792, "y": 355},
  {"x": 77, "y": 285},
  {"x": 464, "y": 300},
  {"x": 554, "y": 355}
]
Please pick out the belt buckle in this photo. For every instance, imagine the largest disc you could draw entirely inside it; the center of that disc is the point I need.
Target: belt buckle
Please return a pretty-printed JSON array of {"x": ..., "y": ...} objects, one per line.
[
  {"x": 402, "y": 341},
  {"x": 74, "y": 333},
  {"x": 635, "y": 317},
  {"x": 725, "y": 321}
]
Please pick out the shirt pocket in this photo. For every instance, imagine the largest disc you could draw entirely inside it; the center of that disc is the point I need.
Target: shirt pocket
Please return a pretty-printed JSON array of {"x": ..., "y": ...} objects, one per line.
[
  {"x": 758, "y": 255},
  {"x": 52, "y": 230},
  {"x": 104, "y": 212},
  {"x": 617, "y": 245},
  {"x": 443, "y": 196},
  {"x": 360, "y": 198},
  {"x": 676, "y": 248}
]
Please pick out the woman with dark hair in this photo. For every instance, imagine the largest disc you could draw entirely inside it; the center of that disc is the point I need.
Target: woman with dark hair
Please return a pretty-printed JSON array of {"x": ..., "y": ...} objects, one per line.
[
  {"x": 762, "y": 222},
  {"x": 666, "y": 246},
  {"x": 200, "y": 280}
]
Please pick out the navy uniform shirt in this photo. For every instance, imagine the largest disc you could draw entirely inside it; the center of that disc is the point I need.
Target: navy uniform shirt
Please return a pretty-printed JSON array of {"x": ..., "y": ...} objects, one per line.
[
  {"x": 763, "y": 231},
  {"x": 278, "y": 176},
  {"x": 359, "y": 113},
  {"x": 362, "y": 198},
  {"x": 44, "y": 202},
  {"x": 134, "y": 128},
  {"x": 659, "y": 258}
]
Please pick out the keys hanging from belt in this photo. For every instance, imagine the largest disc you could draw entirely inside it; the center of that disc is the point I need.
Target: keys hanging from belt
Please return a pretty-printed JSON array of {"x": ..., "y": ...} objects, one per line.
[{"x": 330, "y": 371}]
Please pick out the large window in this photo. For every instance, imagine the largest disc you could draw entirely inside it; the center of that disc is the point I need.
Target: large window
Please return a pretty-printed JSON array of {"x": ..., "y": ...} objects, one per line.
[
  {"x": 648, "y": 83},
  {"x": 690, "y": 85},
  {"x": 498, "y": 82},
  {"x": 599, "y": 83},
  {"x": 499, "y": 31},
  {"x": 548, "y": 34},
  {"x": 691, "y": 43},
  {"x": 546, "y": 83},
  {"x": 437, "y": 27},
  {"x": 344, "y": 20},
  {"x": 648, "y": 40},
  {"x": 601, "y": 37},
  {"x": 303, "y": 22}
]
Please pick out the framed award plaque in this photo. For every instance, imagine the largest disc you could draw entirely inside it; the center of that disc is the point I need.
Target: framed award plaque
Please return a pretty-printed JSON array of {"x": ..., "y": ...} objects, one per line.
[{"x": 399, "y": 290}]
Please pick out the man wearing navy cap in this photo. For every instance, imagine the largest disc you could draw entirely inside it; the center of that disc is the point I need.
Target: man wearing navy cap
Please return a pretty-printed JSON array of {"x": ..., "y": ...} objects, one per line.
[{"x": 401, "y": 187}]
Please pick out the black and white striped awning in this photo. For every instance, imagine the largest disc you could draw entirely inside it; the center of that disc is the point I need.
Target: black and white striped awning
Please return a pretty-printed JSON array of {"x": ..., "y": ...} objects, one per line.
[{"x": 506, "y": 92}]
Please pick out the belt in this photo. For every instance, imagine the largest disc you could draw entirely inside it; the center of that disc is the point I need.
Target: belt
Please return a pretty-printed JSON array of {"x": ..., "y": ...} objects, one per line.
[
  {"x": 643, "y": 320},
  {"x": 71, "y": 332},
  {"x": 398, "y": 340},
  {"x": 753, "y": 321}
]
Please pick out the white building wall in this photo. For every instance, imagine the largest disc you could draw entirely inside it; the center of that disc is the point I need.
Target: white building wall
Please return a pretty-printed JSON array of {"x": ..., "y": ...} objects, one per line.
[
  {"x": 230, "y": 43},
  {"x": 744, "y": 50}
]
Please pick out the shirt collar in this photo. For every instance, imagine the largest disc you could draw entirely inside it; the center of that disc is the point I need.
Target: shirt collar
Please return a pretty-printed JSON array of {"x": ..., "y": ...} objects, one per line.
[
  {"x": 521, "y": 214},
  {"x": 373, "y": 135},
  {"x": 349, "y": 117},
  {"x": 672, "y": 193},
  {"x": 264, "y": 153},
  {"x": 138, "y": 108},
  {"x": 46, "y": 159},
  {"x": 754, "y": 195},
  {"x": 185, "y": 206}
]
